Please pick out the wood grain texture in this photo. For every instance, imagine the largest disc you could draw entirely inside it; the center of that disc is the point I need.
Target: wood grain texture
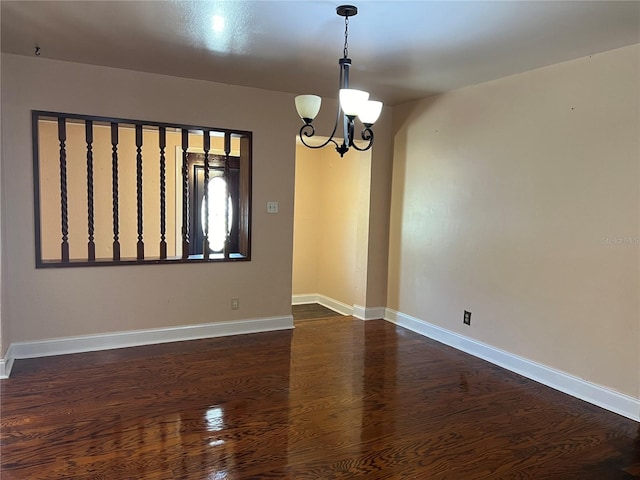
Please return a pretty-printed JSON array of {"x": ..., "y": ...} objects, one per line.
[
  {"x": 311, "y": 311},
  {"x": 336, "y": 398}
]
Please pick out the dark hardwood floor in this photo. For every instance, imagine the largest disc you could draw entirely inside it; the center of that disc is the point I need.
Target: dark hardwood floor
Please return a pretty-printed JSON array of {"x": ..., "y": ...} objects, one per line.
[
  {"x": 311, "y": 311},
  {"x": 336, "y": 398}
]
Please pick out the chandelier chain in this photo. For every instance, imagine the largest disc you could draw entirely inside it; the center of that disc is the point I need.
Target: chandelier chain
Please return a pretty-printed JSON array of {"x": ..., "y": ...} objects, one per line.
[{"x": 346, "y": 36}]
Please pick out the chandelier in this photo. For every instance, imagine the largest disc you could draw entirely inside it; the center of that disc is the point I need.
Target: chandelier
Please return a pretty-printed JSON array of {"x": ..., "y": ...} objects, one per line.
[{"x": 353, "y": 103}]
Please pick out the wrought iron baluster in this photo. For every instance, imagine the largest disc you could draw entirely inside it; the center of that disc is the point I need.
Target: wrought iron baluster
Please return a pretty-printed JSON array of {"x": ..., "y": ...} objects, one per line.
[
  {"x": 233, "y": 221},
  {"x": 114, "y": 191},
  {"x": 206, "y": 145},
  {"x": 64, "y": 206},
  {"x": 226, "y": 176},
  {"x": 185, "y": 194},
  {"x": 139, "y": 198},
  {"x": 162, "y": 133},
  {"x": 91, "y": 246}
]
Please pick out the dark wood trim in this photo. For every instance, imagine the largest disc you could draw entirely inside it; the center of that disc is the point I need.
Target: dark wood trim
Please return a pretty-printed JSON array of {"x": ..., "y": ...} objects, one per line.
[
  {"x": 91, "y": 246},
  {"x": 162, "y": 144},
  {"x": 114, "y": 191},
  {"x": 185, "y": 194},
  {"x": 206, "y": 145},
  {"x": 107, "y": 262},
  {"x": 139, "y": 197},
  {"x": 35, "y": 135},
  {"x": 246, "y": 156},
  {"x": 128, "y": 121},
  {"x": 64, "y": 204},
  {"x": 214, "y": 161}
]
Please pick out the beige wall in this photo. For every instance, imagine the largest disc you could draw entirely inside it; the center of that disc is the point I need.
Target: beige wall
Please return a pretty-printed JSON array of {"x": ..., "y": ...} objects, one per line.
[
  {"x": 2, "y": 263},
  {"x": 379, "y": 206},
  {"x": 39, "y": 304},
  {"x": 519, "y": 200},
  {"x": 306, "y": 223},
  {"x": 331, "y": 224}
]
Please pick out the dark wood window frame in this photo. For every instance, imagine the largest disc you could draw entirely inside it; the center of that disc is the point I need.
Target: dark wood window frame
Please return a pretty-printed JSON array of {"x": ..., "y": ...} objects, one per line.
[{"x": 239, "y": 163}]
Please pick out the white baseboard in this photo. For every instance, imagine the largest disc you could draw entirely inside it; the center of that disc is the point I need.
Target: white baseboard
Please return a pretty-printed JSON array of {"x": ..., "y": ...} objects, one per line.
[
  {"x": 134, "y": 338},
  {"x": 304, "y": 299},
  {"x": 335, "y": 305},
  {"x": 368, "y": 313},
  {"x": 577, "y": 387},
  {"x": 6, "y": 363},
  {"x": 357, "y": 311}
]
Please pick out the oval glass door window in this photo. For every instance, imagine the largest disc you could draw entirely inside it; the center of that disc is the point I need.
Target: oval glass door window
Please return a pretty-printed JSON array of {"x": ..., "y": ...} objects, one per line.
[{"x": 219, "y": 205}]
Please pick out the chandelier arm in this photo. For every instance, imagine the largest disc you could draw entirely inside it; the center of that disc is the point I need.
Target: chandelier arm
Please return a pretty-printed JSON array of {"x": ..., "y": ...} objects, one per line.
[
  {"x": 367, "y": 136},
  {"x": 308, "y": 131}
]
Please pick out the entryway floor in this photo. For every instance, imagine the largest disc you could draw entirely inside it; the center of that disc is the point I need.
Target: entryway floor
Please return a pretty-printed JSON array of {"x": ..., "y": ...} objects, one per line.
[{"x": 311, "y": 311}]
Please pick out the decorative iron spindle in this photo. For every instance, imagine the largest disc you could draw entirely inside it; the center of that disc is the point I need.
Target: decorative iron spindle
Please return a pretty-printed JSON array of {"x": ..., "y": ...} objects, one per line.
[
  {"x": 235, "y": 173},
  {"x": 227, "y": 151},
  {"x": 162, "y": 133},
  {"x": 139, "y": 198},
  {"x": 206, "y": 145},
  {"x": 114, "y": 191},
  {"x": 91, "y": 246},
  {"x": 64, "y": 206},
  {"x": 185, "y": 194}
]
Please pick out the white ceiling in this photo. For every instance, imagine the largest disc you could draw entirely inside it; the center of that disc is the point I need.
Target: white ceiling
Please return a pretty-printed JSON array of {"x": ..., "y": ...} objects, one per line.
[{"x": 401, "y": 50}]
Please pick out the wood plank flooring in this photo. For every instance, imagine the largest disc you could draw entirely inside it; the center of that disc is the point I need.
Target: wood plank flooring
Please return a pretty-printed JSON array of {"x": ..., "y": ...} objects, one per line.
[
  {"x": 311, "y": 311},
  {"x": 336, "y": 398}
]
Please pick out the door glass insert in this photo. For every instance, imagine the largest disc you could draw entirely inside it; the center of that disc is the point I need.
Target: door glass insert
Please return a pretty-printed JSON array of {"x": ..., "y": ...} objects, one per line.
[{"x": 220, "y": 213}]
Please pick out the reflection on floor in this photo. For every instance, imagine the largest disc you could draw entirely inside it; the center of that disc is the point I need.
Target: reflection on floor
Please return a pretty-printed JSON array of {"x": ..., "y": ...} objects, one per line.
[
  {"x": 312, "y": 311},
  {"x": 334, "y": 398}
]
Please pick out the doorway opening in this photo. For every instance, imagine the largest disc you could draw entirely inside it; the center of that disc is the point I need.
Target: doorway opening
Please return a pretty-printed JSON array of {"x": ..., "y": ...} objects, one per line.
[{"x": 331, "y": 228}]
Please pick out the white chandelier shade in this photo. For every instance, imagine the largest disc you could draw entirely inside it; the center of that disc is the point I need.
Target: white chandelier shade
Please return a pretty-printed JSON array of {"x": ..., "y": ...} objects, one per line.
[
  {"x": 370, "y": 112},
  {"x": 308, "y": 107},
  {"x": 352, "y": 101}
]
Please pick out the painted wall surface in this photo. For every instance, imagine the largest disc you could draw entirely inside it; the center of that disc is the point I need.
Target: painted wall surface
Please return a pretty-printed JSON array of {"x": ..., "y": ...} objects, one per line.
[
  {"x": 519, "y": 200},
  {"x": 340, "y": 211},
  {"x": 40, "y": 304},
  {"x": 331, "y": 224},
  {"x": 306, "y": 224},
  {"x": 2, "y": 264},
  {"x": 379, "y": 207}
]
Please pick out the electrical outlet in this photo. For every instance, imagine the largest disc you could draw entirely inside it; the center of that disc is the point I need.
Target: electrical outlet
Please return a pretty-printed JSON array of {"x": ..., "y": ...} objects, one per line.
[
  {"x": 235, "y": 303},
  {"x": 272, "y": 207},
  {"x": 467, "y": 318}
]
